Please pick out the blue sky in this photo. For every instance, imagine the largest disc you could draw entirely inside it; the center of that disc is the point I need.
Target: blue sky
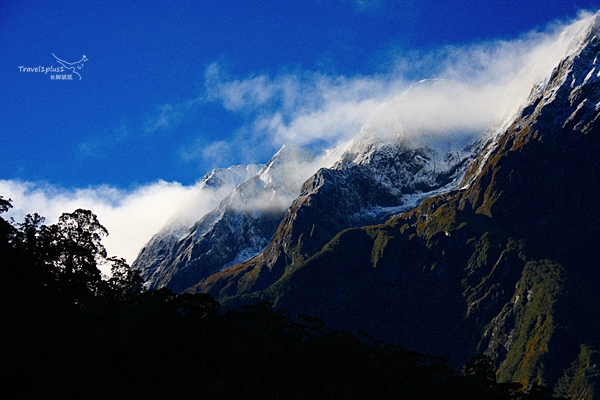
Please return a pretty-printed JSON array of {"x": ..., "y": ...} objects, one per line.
[
  {"x": 126, "y": 121},
  {"x": 172, "y": 89}
]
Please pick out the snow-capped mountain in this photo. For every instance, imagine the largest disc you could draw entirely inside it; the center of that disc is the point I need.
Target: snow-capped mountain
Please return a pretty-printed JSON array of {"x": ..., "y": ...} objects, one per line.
[
  {"x": 481, "y": 241},
  {"x": 208, "y": 193},
  {"x": 408, "y": 159},
  {"x": 239, "y": 227},
  {"x": 388, "y": 168},
  {"x": 228, "y": 177},
  {"x": 394, "y": 162},
  {"x": 505, "y": 264}
]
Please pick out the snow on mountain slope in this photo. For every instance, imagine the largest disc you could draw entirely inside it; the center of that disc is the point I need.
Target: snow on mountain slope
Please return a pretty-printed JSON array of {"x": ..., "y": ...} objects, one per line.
[
  {"x": 238, "y": 228},
  {"x": 399, "y": 158},
  {"x": 231, "y": 176},
  {"x": 210, "y": 190},
  {"x": 276, "y": 184},
  {"x": 409, "y": 152}
]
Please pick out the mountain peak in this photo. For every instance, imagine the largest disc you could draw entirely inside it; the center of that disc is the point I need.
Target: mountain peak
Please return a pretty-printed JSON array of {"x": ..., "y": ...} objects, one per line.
[
  {"x": 292, "y": 151},
  {"x": 583, "y": 32},
  {"x": 231, "y": 176},
  {"x": 289, "y": 155},
  {"x": 255, "y": 198},
  {"x": 287, "y": 170},
  {"x": 571, "y": 93}
]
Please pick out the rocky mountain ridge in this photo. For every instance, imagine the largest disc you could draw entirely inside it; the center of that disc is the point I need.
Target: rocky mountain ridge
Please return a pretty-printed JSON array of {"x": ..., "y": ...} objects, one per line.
[
  {"x": 505, "y": 264},
  {"x": 388, "y": 168},
  {"x": 494, "y": 252},
  {"x": 385, "y": 170}
]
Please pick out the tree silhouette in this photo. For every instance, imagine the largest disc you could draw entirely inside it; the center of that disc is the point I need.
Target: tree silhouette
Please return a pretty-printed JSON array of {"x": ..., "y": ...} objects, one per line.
[
  {"x": 68, "y": 333},
  {"x": 79, "y": 236}
]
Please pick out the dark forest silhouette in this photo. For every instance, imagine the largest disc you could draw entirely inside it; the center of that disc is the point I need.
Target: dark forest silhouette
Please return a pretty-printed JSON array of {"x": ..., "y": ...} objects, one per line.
[{"x": 69, "y": 333}]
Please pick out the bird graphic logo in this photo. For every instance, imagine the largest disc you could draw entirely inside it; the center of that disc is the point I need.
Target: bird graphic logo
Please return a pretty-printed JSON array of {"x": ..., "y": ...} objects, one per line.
[{"x": 74, "y": 66}]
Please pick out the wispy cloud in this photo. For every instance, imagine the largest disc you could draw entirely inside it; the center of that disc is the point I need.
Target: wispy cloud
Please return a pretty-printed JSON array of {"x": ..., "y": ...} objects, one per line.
[
  {"x": 95, "y": 147},
  {"x": 489, "y": 82},
  {"x": 214, "y": 153},
  {"x": 370, "y": 5},
  {"x": 321, "y": 111},
  {"x": 303, "y": 107},
  {"x": 169, "y": 116}
]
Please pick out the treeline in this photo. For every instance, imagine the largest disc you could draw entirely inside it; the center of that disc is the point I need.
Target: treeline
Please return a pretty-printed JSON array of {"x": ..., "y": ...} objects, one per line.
[{"x": 67, "y": 332}]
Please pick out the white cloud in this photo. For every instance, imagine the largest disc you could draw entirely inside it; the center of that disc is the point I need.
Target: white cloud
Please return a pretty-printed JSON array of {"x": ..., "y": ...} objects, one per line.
[
  {"x": 304, "y": 107},
  {"x": 490, "y": 82},
  {"x": 216, "y": 153},
  {"x": 131, "y": 216}
]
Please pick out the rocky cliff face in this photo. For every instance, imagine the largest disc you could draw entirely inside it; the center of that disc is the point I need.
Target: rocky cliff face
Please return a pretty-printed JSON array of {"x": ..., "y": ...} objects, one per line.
[
  {"x": 214, "y": 186},
  {"x": 504, "y": 263},
  {"x": 388, "y": 168},
  {"x": 548, "y": 161}
]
